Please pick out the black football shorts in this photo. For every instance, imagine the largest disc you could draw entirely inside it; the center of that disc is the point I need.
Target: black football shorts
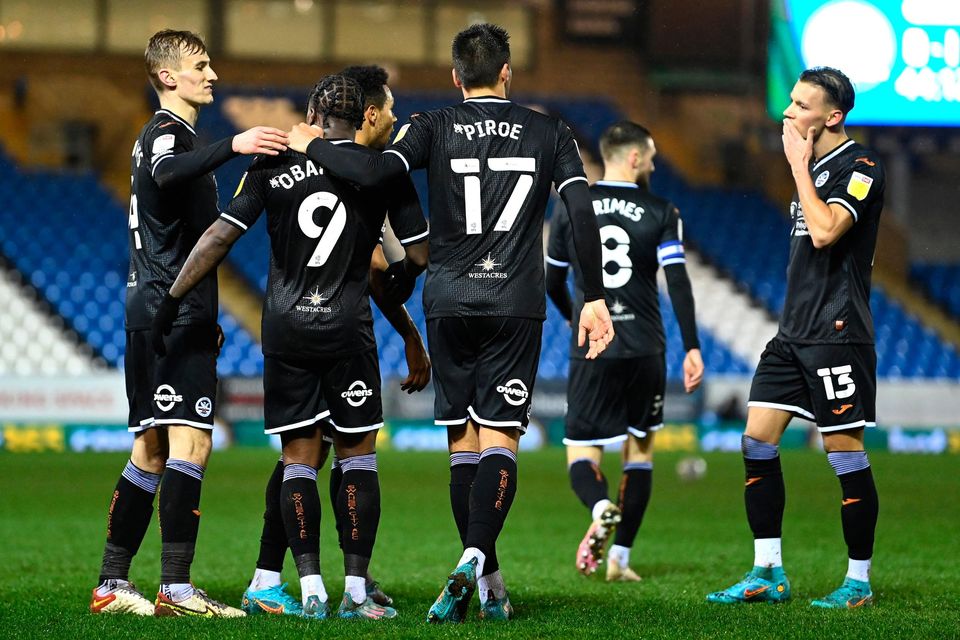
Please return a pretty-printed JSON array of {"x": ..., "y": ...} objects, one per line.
[
  {"x": 484, "y": 369},
  {"x": 344, "y": 392},
  {"x": 179, "y": 388},
  {"x": 606, "y": 399},
  {"x": 833, "y": 385}
]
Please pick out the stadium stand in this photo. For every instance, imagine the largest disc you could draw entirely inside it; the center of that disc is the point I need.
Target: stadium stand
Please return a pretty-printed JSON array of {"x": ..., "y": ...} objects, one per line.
[
  {"x": 67, "y": 236},
  {"x": 748, "y": 238},
  {"x": 941, "y": 283}
]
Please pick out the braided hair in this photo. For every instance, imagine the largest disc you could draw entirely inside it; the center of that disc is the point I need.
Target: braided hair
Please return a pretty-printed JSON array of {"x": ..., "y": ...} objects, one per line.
[{"x": 340, "y": 97}]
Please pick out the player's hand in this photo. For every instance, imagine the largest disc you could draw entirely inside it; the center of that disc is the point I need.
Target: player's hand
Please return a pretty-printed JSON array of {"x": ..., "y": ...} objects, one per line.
[
  {"x": 220, "y": 339},
  {"x": 302, "y": 135},
  {"x": 595, "y": 324},
  {"x": 398, "y": 285},
  {"x": 163, "y": 323},
  {"x": 265, "y": 140},
  {"x": 418, "y": 364},
  {"x": 692, "y": 370},
  {"x": 796, "y": 148}
]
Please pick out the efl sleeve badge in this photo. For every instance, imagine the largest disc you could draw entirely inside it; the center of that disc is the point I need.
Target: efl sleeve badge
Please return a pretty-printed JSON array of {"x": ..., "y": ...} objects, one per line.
[{"x": 859, "y": 185}]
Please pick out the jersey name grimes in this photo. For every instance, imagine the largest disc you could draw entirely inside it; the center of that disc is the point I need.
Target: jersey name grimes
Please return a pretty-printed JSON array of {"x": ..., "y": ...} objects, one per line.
[
  {"x": 627, "y": 209},
  {"x": 295, "y": 174},
  {"x": 486, "y": 128}
]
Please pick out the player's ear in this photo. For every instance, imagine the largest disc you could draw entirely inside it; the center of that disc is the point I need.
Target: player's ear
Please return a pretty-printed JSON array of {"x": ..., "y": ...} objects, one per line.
[
  {"x": 835, "y": 118},
  {"x": 167, "y": 78},
  {"x": 371, "y": 114},
  {"x": 505, "y": 73},
  {"x": 311, "y": 115},
  {"x": 456, "y": 79}
]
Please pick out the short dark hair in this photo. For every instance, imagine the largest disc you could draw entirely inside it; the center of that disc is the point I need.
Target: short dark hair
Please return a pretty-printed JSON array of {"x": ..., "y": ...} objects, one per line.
[
  {"x": 371, "y": 78},
  {"x": 835, "y": 84},
  {"x": 167, "y": 48},
  {"x": 622, "y": 134},
  {"x": 340, "y": 97},
  {"x": 479, "y": 52}
]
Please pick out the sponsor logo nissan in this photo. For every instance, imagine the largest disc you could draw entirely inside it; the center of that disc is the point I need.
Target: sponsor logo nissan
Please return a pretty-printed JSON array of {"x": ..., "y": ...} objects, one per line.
[
  {"x": 166, "y": 397},
  {"x": 357, "y": 393},
  {"x": 514, "y": 392}
]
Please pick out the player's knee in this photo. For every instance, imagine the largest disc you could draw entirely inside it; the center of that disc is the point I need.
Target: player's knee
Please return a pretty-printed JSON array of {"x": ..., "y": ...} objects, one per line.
[
  {"x": 190, "y": 444},
  {"x": 355, "y": 444}
]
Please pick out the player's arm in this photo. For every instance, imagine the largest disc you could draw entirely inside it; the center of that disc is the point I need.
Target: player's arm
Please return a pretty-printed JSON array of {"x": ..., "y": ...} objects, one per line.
[
  {"x": 557, "y": 265},
  {"x": 354, "y": 165},
  {"x": 174, "y": 168},
  {"x": 558, "y": 291},
  {"x": 209, "y": 252},
  {"x": 672, "y": 257},
  {"x": 681, "y": 296},
  {"x": 418, "y": 363},
  {"x": 595, "y": 322},
  {"x": 826, "y": 222},
  {"x": 410, "y": 227}
]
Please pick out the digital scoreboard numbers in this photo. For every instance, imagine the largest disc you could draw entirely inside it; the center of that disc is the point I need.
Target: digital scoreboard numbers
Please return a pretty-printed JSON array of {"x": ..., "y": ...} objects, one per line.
[{"x": 903, "y": 56}]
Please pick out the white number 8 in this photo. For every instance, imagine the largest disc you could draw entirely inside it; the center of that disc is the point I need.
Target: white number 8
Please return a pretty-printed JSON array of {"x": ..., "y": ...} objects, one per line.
[{"x": 619, "y": 255}]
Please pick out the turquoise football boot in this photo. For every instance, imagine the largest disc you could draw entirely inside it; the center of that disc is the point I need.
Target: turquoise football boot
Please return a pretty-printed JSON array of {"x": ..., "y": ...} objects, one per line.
[
  {"x": 762, "y": 584},
  {"x": 851, "y": 594}
]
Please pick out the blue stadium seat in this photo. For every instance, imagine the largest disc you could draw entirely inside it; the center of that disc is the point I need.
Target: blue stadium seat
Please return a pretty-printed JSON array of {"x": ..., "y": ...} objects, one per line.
[{"x": 77, "y": 259}]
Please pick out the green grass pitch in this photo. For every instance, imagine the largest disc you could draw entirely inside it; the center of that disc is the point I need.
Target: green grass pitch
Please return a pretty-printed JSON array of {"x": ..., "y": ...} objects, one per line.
[{"x": 694, "y": 540}]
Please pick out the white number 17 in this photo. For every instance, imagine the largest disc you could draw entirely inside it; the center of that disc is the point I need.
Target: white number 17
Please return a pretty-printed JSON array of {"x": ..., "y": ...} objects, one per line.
[{"x": 471, "y": 192}]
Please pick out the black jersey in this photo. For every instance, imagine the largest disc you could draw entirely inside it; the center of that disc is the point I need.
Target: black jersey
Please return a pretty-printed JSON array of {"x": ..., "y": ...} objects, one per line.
[
  {"x": 165, "y": 224},
  {"x": 490, "y": 167},
  {"x": 639, "y": 232},
  {"x": 828, "y": 289},
  {"x": 322, "y": 234}
]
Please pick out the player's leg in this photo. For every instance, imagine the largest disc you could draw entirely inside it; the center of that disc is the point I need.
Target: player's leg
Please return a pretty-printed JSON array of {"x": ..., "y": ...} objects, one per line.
[
  {"x": 596, "y": 417},
  {"x": 634, "y": 496},
  {"x": 506, "y": 373},
  {"x": 453, "y": 355},
  {"x": 184, "y": 403},
  {"x": 131, "y": 505},
  {"x": 843, "y": 383},
  {"x": 643, "y": 394},
  {"x": 131, "y": 508},
  {"x": 300, "y": 510},
  {"x": 266, "y": 592},
  {"x": 352, "y": 388},
  {"x": 293, "y": 409},
  {"x": 778, "y": 393}
]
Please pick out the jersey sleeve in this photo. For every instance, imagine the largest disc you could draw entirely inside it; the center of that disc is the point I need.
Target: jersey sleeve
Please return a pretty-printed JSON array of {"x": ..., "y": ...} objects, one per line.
[
  {"x": 567, "y": 166},
  {"x": 164, "y": 141},
  {"x": 250, "y": 198},
  {"x": 414, "y": 141},
  {"x": 558, "y": 253},
  {"x": 406, "y": 216},
  {"x": 670, "y": 248},
  {"x": 855, "y": 189}
]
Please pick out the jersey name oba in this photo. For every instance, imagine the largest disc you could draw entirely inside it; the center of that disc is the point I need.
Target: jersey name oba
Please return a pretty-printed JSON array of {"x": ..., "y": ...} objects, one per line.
[
  {"x": 296, "y": 173},
  {"x": 484, "y": 128}
]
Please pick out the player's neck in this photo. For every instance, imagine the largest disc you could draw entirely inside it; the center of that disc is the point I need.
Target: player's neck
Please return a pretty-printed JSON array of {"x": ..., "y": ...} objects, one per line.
[
  {"x": 617, "y": 174},
  {"x": 828, "y": 141},
  {"x": 500, "y": 91},
  {"x": 174, "y": 103}
]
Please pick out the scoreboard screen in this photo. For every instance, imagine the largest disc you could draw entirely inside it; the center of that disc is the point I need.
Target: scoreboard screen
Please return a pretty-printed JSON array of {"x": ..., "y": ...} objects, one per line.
[{"x": 903, "y": 56}]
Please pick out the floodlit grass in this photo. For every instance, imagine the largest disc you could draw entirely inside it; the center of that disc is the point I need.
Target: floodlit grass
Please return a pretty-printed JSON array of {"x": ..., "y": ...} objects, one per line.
[{"x": 694, "y": 540}]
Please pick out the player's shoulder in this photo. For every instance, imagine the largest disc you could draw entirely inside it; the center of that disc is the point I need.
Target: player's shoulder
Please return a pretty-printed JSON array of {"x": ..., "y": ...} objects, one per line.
[
  {"x": 167, "y": 123},
  {"x": 864, "y": 160}
]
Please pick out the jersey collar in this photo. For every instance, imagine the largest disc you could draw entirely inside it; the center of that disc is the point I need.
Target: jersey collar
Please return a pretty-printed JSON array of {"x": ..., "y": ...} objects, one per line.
[
  {"x": 833, "y": 154},
  {"x": 495, "y": 99},
  {"x": 617, "y": 183},
  {"x": 177, "y": 118}
]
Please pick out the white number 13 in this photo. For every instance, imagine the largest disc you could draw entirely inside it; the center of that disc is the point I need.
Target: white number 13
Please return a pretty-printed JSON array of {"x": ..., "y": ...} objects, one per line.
[{"x": 471, "y": 192}]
